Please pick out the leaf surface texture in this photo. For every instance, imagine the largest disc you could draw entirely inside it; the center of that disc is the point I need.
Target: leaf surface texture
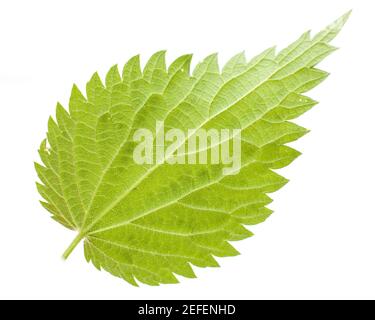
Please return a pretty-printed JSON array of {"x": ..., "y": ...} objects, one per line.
[{"x": 149, "y": 223}]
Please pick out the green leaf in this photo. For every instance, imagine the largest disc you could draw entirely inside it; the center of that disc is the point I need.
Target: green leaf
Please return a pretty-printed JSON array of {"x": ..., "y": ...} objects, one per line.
[{"x": 149, "y": 222}]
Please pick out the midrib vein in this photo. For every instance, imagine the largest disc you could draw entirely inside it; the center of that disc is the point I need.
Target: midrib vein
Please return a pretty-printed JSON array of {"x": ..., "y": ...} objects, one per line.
[{"x": 152, "y": 169}]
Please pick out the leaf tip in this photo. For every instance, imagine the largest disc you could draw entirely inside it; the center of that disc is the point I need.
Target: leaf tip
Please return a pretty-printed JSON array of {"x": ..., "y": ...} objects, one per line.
[
  {"x": 340, "y": 22},
  {"x": 347, "y": 15}
]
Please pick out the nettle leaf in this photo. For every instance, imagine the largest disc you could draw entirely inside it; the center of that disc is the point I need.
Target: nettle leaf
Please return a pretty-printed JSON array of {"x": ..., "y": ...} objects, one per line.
[{"x": 149, "y": 222}]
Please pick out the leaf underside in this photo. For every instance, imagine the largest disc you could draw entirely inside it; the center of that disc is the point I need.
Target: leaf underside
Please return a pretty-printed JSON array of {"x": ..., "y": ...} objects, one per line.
[{"x": 147, "y": 223}]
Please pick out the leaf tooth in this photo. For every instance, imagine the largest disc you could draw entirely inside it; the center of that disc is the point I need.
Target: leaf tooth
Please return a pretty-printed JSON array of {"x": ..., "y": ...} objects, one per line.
[
  {"x": 306, "y": 35},
  {"x": 317, "y": 77},
  {"x": 156, "y": 62},
  {"x": 64, "y": 120},
  {"x": 277, "y": 156},
  {"x": 92, "y": 87},
  {"x": 236, "y": 65},
  {"x": 146, "y": 279},
  {"x": 43, "y": 144},
  {"x": 127, "y": 276},
  {"x": 132, "y": 69},
  {"x": 252, "y": 216},
  {"x": 118, "y": 270},
  {"x": 61, "y": 112},
  {"x": 42, "y": 190},
  {"x": 87, "y": 251},
  {"x": 287, "y": 53},
  {"x": 43, "y": 153},
  {"x": 269, "y": 54},
  {"x": 213, "y": 261},
  {"x": 56, "y": 215},
  {"x": 217, "y": 248},
  {"x": 325, "y": 53},
  {"x": 182, "y": 63},
  {"x": 239, "y": 57},
  {"x": 52, "y": 124},
  {"x": 39, "y": 168},
  {"x": 112, "y": 77},
  {"x": 209, "y": 64},
  {"x": 77, "y": 100},
  {"x": 61, "y": 220},
  {"x": 167, "y": 277},
  {"x": 182, "y": 268},
  {"x": 238, "y": 232},
  {"x": 53, "y": 132}
]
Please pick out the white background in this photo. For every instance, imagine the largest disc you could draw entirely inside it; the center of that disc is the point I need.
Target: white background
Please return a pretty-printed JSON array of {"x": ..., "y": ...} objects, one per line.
[{"x": 320, "y": 241}]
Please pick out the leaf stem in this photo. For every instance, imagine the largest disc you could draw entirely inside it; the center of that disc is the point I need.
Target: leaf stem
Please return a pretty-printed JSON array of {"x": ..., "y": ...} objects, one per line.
[{"x": 72, "y": 246}]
